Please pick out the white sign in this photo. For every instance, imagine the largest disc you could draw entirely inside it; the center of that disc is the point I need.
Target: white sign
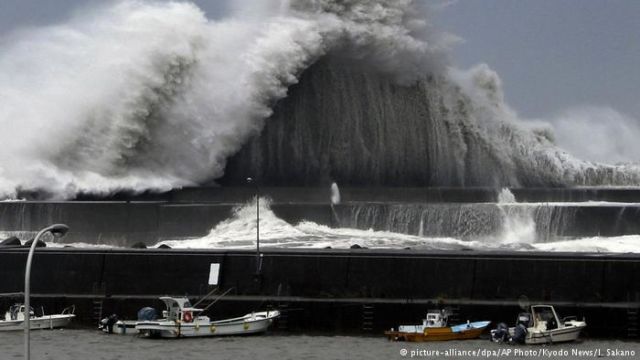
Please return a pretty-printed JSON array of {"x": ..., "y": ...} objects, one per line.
[{"x": 214, "y": 273}]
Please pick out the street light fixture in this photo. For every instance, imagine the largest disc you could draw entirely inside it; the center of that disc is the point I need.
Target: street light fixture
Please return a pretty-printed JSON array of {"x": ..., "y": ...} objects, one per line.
[
  {"x": 58, "y": 231},
  {"x": 258, "y": 263}
]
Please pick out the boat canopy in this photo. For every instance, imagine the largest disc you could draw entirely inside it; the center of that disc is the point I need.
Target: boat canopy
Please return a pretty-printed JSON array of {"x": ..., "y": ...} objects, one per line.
[{"x": 175, "y": 306}]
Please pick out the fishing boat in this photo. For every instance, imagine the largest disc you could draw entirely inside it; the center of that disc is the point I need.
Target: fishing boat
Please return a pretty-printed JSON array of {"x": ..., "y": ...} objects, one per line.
[
  {"x": 180, "y": 319},
  {"x": 543, "y": 326},
  {"x": 434, "y": 328},
  {"x": 14, "y": 319}
]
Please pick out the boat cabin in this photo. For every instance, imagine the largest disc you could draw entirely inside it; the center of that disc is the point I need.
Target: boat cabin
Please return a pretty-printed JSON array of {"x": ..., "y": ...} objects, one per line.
[
  {"x": 544, "y": 317},
  {"x": 179, "y": 309},
  {"x": 435, "y": 318}
]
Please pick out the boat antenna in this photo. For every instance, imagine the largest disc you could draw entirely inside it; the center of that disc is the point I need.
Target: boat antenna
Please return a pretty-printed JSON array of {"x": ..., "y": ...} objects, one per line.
[
  {"x": 206, "y": 296},
  {"x": 216, "y": 299}
]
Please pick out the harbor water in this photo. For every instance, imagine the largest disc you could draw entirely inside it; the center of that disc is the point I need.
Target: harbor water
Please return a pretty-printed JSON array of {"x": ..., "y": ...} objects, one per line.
[{"x": 81, "y": 344}]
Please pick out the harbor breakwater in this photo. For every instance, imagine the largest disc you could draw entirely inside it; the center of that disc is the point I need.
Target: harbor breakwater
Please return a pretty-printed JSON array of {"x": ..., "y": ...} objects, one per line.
[
  {"x": 443, "y": 212},
  {"x": 337, "y": 290}
]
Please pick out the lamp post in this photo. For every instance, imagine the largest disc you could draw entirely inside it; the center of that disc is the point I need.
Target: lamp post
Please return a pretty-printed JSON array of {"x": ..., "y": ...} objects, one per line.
[
  {"x": 58, "y": 231},
  {"x": 249, "y": 181}
]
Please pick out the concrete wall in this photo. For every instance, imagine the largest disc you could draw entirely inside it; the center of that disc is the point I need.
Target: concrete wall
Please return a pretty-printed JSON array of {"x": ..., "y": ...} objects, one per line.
[
  {"x": 401, "y": 284},
  {"x": 126, "y": 223},
  {"x": 321, "y": 194},
  {"x": 400, "y": 274}
]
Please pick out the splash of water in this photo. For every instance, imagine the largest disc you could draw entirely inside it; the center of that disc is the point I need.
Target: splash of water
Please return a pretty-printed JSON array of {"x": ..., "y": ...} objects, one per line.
[
  {"x": 239, "y": 232},
  {"x": 518, "y": 222},
  {"x": 505, "y": 196},
  {"x": 335, "y": 194},
  {"x": 145, "y": 95}
]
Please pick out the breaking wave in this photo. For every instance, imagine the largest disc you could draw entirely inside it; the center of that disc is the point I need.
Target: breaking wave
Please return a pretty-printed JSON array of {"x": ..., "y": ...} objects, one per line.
[
  {"x": 141, "y": 95},
  {"x": 239, "y": 232}
]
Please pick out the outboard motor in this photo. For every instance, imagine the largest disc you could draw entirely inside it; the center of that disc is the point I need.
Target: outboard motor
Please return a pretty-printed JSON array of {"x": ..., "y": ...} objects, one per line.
[
  {"x": 500, "y": 333},
  {"x": 520, "y": 333},
  {"x": 108, "y": 323}
]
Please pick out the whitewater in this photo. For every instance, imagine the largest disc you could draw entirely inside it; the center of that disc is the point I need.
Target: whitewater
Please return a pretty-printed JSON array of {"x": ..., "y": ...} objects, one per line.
[
  {"x": 143, "y": 95},
  {"x": 517, "y": 227},
  {"x": 517, "y": 233}
]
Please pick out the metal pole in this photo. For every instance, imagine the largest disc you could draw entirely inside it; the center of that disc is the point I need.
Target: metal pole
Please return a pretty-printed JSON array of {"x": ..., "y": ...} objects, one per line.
[
  {"x": 257, "y": 228},
  {"x": 258, "y": 265},
  {"x": 58, "y": 230},
  {"x": 27, "y": 294}
]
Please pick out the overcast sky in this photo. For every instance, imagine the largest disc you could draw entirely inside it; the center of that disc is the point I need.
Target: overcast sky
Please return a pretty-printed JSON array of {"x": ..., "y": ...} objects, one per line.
[
  {"x": 551, "y": 54},
  {"x": 554, "y": 54}
]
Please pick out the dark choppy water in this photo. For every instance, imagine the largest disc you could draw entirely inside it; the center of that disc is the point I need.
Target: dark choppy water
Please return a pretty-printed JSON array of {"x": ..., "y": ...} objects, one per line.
[{"x": 88, "y": 344}]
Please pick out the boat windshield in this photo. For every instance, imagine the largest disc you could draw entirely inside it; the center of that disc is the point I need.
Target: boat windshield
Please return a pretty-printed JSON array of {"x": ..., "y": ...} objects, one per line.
[{"x": 545, "y": 315}]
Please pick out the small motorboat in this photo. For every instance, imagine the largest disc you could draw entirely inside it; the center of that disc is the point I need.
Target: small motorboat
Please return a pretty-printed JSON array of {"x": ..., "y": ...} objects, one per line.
[
  {"x": 540, "y": 326},
  {"x": 180, "y": 319},
  {"x": 112, "y": 325},
  {"x": 434, "y": 328},
  {"x": 14, "y": 319}
]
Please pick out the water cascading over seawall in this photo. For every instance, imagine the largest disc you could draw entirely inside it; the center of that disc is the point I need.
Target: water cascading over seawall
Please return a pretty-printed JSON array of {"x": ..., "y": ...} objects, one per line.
[
  {"x": 510, "y": 223},
  {"x": 357, "y": 92},
  {"x": 347, "y": 122}
]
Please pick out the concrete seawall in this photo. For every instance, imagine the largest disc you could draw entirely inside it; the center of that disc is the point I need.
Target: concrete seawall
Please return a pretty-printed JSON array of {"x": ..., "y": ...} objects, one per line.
[
  {"x": 120, "y": 223},
  {"x": 289, "y": 194},
  {"x": 399, "y": 285}
]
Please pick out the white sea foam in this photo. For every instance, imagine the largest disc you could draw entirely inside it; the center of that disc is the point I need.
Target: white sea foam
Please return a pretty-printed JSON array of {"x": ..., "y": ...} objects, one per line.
[
  {"x": 615, "y": 244},
  {"x": 239, "y": 232}
]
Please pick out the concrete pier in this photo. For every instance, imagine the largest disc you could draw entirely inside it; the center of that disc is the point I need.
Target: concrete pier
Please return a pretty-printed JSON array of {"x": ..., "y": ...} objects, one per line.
[
  {"x": 309, "y": 285},
  {"x": 123, "y": 223}
]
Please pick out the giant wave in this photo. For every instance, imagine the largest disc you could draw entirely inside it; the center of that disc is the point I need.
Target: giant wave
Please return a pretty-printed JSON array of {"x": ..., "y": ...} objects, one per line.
[{"x": 139, "y": 95}]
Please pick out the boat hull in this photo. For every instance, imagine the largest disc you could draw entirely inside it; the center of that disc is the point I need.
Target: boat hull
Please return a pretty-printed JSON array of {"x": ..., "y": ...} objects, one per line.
[
  {"x": 554, "y": 336},
  {"x": 247, "y": 325},
  {"x": 43, "y": 322},
  {"x": 122, "y": 327},
  {"x": 564, "y": 334},
  {"x": 439, "y": 333}
]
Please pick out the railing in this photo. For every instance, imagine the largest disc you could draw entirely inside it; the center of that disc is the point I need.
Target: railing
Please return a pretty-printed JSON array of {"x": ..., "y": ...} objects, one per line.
[{"x": 69, "y": 310}]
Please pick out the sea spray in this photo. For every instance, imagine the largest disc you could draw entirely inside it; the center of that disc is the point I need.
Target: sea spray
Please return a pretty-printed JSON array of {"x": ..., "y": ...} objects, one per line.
[
  {"x": 139, "y": 95},
  {"x": 238, "y": 232},
  {"x": 518, "y": 221},
  {"x": 335, "y": 200}
]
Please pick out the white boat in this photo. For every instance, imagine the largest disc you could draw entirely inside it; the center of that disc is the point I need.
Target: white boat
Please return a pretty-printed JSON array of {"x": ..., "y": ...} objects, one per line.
[
  {"x": 114, "y": 326},
  {"x": 180, "y": 319},
  {"x": 543, "y": 326},
  {"x": 14, "y": 319}
]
